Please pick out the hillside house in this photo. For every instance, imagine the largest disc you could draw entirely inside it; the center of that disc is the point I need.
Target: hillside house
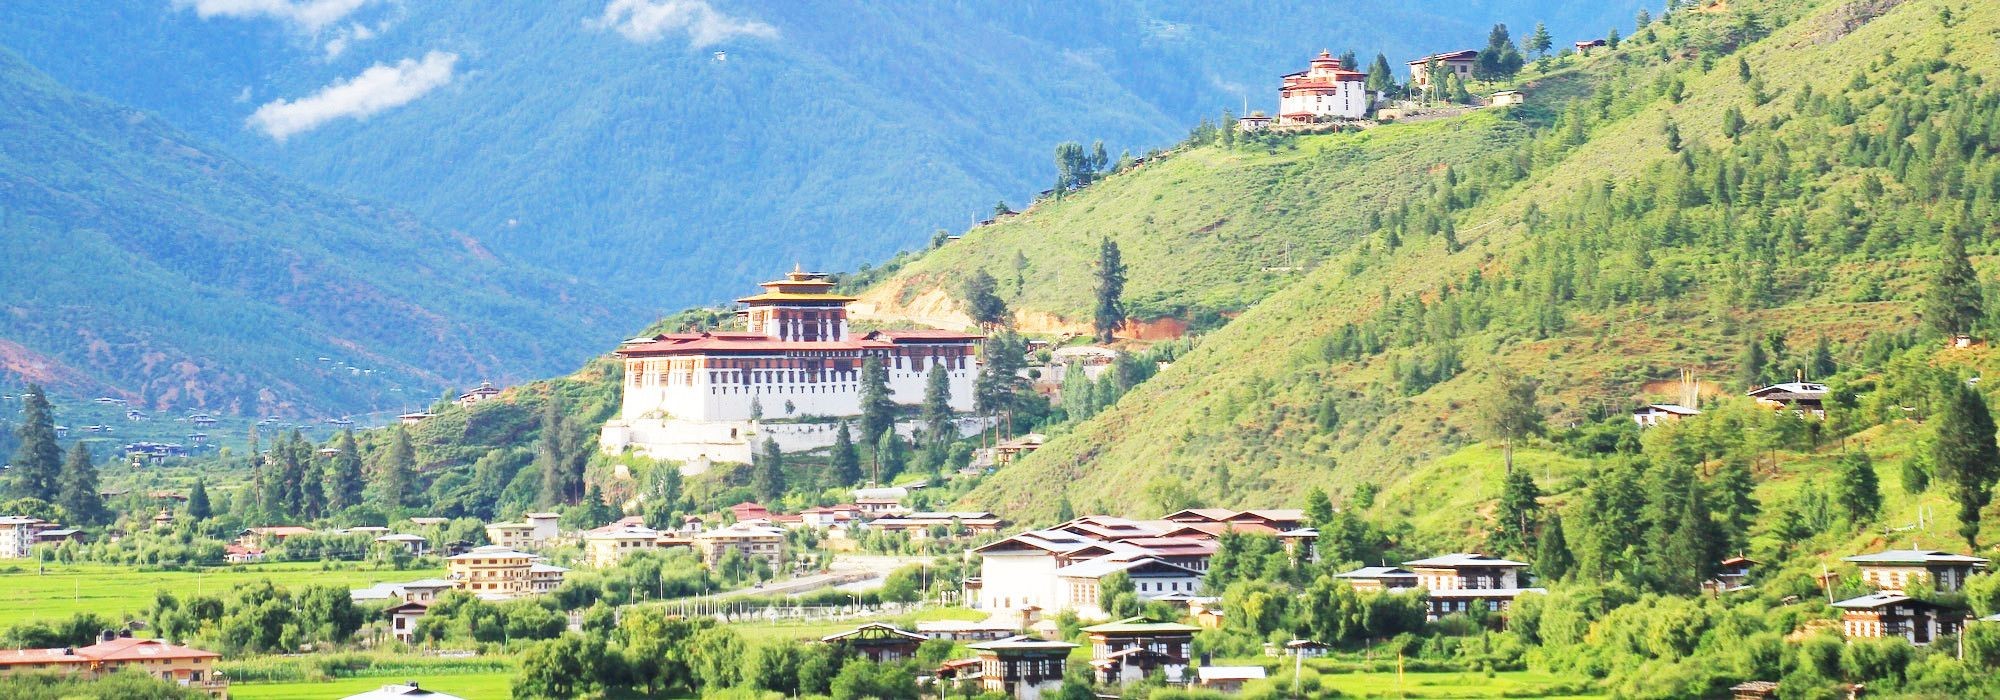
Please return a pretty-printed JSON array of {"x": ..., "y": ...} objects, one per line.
[
  {"x": 750, "y": 540},
  {"x": 1459, "y": 582},
  {"x": 1657, "y": 413},
  {"x": 1892, "y": 614},
  {"x": 186, "y": 667},
  {"x": 1379, "y": 578},
  {"x": 1227, "y": 679},
  {"x": 1583, "y": 48},
  {"x": 536, "y": 530},
  {"x": 1732, "y": 575},
  {"x": 1508, "y": 98},
  {"x": 606, "y": 549},
  {"x": 1458, "y": 62},
  {"x": 1324, "y": 90},
  {"x": 1133, "y": 648},
  {"x": 1022, "y": 667},
  {"x": 1253, "y": 122},
  {"x": 1894, "y": 570},
  {"x": 479, "y": 394},
  {"x": 877, "y": 642},
  {"x": 1804, "y": 399},
  {"x": 268, "y": 536},
  {"x": 414, "y": 418}
]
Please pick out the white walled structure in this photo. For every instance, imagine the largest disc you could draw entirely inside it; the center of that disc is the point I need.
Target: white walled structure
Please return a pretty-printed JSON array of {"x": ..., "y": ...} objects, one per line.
[
  {"x": 696, "y": 397},
  {"x": 1324, "y": 89}
]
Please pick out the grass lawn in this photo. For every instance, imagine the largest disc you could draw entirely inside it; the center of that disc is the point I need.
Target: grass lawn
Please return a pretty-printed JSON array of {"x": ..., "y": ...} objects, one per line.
[
  {"x": 465, "y": 685},
  {"x": 1516, "y": 684},
  {"x": 121, "y": 591}
]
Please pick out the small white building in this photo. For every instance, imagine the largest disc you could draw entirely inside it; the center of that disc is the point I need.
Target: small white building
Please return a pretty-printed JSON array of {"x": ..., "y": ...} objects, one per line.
[
  {"x": 1509, "y": 98},
  {"x": 403, "y": 691},
  {"x": 1654, "y": 414}
]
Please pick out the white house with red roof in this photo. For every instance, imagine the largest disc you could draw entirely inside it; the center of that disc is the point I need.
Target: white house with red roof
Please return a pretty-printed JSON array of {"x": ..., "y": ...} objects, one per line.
[
  {"x": 714, "y": 396},
  {"x": 1324, "y": 90}
]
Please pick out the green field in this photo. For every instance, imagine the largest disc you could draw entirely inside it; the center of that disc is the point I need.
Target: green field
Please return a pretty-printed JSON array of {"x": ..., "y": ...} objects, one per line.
[
  {"x": 1515, "y": 684},
  {"x": 473, "y": 686},
  {"x": 118, "y": 592}
]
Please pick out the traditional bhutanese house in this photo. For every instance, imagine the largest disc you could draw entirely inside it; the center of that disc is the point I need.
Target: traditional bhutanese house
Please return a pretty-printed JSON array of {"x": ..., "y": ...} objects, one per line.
[
  {"x": 1379, "y": 578},
  {"x": 1021, "y": 666},
  {"x": 1325, "y": 89},
  {"x": 416, "y": 545},
  {"x": 1459, "y": 582},
  {"x": 1584, "y": 47},
  {"x": 958, "y": 672},
  {"x": 747, "y": 511},
  {"x": 1892, "y": 614},
  {"x": 1459, "y": 62},
  {"x": 1254, "y": 121},
  {"x": 1021, "y": 570},
  {"x": 545, "y": 578},
  {"x": 269, "y": 536},
  {"x": 1007, "y": 450},
  {"x": 965, "y": 630},
  {"x": 403, "y": 619},
  {"x": 1133, "y": 648},
  {"x": 1107, "y": 528},
  {"x": 1227, "y": 679},
  {"x": 241, "y": 554},
  {"x": 1509, "y": 98},
  {"x": 1200, "y": 515},
  {"x": 921, "y": 524},
  {"x": 1657, "y": 413},
  {"x": 1186, "y": 552},
  {"x": 877, "y": 642},
  {"x": 484, "y": 392},
  {"x": 1752, "y": 690},
  {"x": 604, "y": 549},
  {"x": 1804, "y": 399},
  {"x": 747, "y": 539},
  {"x": 1150, "y": 576},
  {"x": 186, "y": 667},
  {"x": 1733, "y": 574},
  {"x": 1893, "y": 570},
  {"x": 1307, "y": 648},
  {"x": 413, "y": 418}
]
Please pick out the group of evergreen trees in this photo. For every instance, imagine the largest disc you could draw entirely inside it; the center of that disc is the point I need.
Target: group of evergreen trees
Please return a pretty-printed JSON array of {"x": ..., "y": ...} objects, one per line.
[
  {"x": 297, "y": 481},
  {"x": 39, "y": 470}
]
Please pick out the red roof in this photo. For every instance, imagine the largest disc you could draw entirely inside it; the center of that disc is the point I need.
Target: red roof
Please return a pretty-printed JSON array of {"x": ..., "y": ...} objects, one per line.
[
  {"x": 724, "y": 342},
  {"x": 118, "y": 650}
]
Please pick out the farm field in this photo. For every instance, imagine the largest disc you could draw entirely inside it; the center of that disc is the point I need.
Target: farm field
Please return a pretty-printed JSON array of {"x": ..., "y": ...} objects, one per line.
[
  {"x": 1507, "y": 684},
  {"x": 466, "y": 685},
  {"x": 118, "y": 591}
]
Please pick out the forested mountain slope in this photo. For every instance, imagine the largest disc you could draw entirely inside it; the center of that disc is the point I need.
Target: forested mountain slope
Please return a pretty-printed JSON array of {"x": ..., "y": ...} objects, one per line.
[
  {"x": 620, "y": 145},
  {"x": 1691, "y": 208},
  {"x": 143, "y": 263}
]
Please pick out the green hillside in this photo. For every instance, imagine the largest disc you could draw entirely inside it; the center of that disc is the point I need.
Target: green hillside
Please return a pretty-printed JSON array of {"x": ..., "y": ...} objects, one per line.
[
  {"x": 1595, "y": 258},
  {"x": 142, "y": 263}
]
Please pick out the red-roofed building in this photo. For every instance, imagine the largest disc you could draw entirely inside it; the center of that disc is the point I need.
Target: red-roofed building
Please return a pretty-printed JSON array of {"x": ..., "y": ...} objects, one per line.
[
  {"x": 1324, "y": 90},
  {"x": 185, "y": 666},
  {"x": 693, "y": 396}
]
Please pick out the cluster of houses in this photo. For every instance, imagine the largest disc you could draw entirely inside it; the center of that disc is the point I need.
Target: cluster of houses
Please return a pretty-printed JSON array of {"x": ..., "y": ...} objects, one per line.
[
  {"x": 119, "y": 652},
  {"x": 1803, "y": 399},
  {"x": 251, "y": 543},
  {"x": 1892, "y": 610}
]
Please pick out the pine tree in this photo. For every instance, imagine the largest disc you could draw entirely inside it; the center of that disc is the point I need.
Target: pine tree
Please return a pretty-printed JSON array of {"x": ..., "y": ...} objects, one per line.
[
  {"x": 1064, "y": 511},
  {"x": 1859, "y": 495},
  {"x": 1499, "y": 60},
  {"x": 1736, "y": 503},
  {"x": 1965, "y": 456},
  {"x": 1381, "y": 77},
  {"x": 1953, "y": 302},
  {"x": 1519, "y": 509},
  {"x": 78, "y": 491},
  {"x": 198, "y": 508},
  {"x": 1319, "y": 508},
  {"x": 1000, "y": 385},
  {"x": 768, "y": 479},
  {"x": 890, "y": 459},
  {"x": 936, "y": 410},
  {"x": 1539, "y": 42},
  {"x": 982, "y": 300},
  {"x": 344, "y": 479},
  {"x": 1552, "y": 559},
  {"x": 1751, "y": 367},
  {"x": 1822, "y": 364},
  {"x": 846, "y": 460},
  {"x": 396, "y": 474},
  {"x": 878, "y": 410},
  {"x": 311, "y": 487},
  {"x": 598, "y": 512},
  {"x": 549, "y": 456},
  {"x": 1110, "y": 291},
  {"x": 37, "y": 463}
]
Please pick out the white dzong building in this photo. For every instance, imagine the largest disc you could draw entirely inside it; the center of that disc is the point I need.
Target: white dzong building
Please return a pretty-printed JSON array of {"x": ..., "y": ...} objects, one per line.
[
  {"x": 1324, "y": 89},
  {"x": 715, "y": 396}
]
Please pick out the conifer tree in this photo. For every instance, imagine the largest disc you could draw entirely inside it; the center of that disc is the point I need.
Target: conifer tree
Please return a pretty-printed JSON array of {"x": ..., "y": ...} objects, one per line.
[
  {"x": 1519, "y": 509},
  {"x": 1499, "y": 60},
  {"x": 344, "y": 479},
  {"x": 1110, "y": 291},
  {"x": 598, "y": 512},
  {"x": 1822, "y": 364},
  {"x": 878, "y": 410},
  {"x": 1381, "y": 77},
  {"x": 1751, "y": 367},
  {"x": 846, "y": 460},
  {"x": 78, "y": 491},
  {"x": 1953, "y": 302},
  {"x": 311, "y": 486},
  {"x": 198, "y": 507},
  {"x": 1735, "y": 503},
  {"x": 768, "y": 479},
  {"x": 982, "y": 300},
  {"x": 396, "y": 474},
  {"x": 1965, "y": 456},
  {"x": 890, "y": 459},
  {"x": 936, "y": 410},
  {"x": 37, "y": 464},
  {"x": 1539, "y": 42},
  {"x": 549, "y": 459},
  {"x": 1000, "y": 385},
  {"x": 1319, "y": 508},
  {"x": 1856, "y": 489},
  {"x": 1552, "y": 558},
  {"x": 1064, "y": 511}
]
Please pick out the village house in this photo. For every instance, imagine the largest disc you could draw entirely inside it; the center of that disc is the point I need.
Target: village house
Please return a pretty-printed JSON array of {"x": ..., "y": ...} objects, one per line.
[
  {"x": 17, "y": 535},
  {"x": 750, "y": 540},
  {"x": 186, "y": 667},
  {"x": 403, "y": 619},
  {"x": 877, "y": 642},
  {"x": 1654, "y": 414},
  {"x": 498, "y": 572},
  {"x": 1023, "y": 667},
  {"x": 266, "y": 537},
  {"x": 414, "y": 417},
  {"x": 1508, "y": 98},
  {"x": 1254, "y": 121},
  {"x": 965, "y": 630},
  {"x": 748, "y": 512},
  {"x": 479, "y": 394},
  {"x": 1082, "y": 582},
  {"x": 418, "y": 591},
  {"x": 1457, "y": 62},
  {"x": 605, "y": 549},
  {"x": 1732, "y": 575},
  {"x": 1458, "y": 582},
  {"x": 1324, "y": 90},
  {"x": 414, "y": 545},
  {"x": 920, "y": 525},
  {"x": 1804, "y": 399},
  {"x": 1379, "y": 578},
  {"x": 537, "y": 530},
  {"x": 1892, "y": 614},
  {"x": 1895, "y": 569},
  {"x": 1133, "y": 648},
  {"x": 699, "y": 398},
  {"x": 1583, "y": 48},
  {"x": 1059, "y": 569},
  {"x": 1227, "y": 679}
]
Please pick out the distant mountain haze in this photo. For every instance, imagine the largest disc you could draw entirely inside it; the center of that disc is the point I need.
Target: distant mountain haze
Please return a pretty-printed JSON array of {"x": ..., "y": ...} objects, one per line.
[{"x": 673, "y": 151}]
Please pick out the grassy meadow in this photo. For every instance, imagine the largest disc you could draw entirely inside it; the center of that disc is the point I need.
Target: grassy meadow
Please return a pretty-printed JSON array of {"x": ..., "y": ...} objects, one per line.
[
  {"x": 493, "y": 684},
  {"x": 28, "y": 593}
]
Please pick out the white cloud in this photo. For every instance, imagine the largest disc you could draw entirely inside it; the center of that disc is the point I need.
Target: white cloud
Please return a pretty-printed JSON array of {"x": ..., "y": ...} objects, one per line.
[
  {"x": 308, "y": 15},
  {"x": 346, "y": 36},
  {"x": 379, "y": 88},
  {"x": 647, "y": 21}
]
